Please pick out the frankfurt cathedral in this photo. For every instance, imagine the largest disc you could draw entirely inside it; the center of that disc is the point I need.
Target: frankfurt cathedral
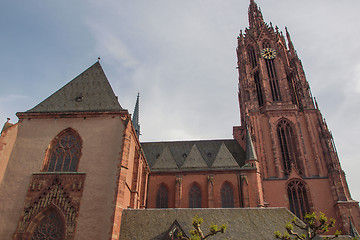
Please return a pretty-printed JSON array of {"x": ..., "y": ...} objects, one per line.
[{"x": 73, "y": 167}]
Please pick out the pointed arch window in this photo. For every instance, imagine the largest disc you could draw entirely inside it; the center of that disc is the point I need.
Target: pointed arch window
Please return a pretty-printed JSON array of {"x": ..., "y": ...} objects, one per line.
[
  {"x": 298, "y": 198},
  {"x": 288, "y": 146},
  {"x": 50, "y": 227},
  {"x": 273, "y": 80},
  {"x": 162, "y": 197},
  {"x": 252, "y": 56},
  {"x": 258, "y": 88},
  {"x": 64, "y": 153},
  {"x": 227, "y": 196},
  {"x": 195, "y": 197}
]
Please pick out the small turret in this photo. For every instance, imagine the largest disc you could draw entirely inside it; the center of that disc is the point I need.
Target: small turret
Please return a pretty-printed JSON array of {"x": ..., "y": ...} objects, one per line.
[
  {"x": 135, "y": 118},
  {"x": 290, "y": 44},
  {"x": 250, "y": 150}
]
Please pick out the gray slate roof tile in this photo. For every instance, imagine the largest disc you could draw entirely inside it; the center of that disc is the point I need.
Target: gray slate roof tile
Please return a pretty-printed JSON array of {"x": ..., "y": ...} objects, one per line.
[
  {"x": 242, "y": 223},
  {"x": 88, "y": 92},
  {"x": 208, "y": 149}
]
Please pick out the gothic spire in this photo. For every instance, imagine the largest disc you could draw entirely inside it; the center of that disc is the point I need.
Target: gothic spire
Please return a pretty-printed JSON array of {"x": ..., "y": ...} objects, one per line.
[
  {"x": 135, "y": 118},
  {"x": 250, "y": 150},
  {"x": 290, "y": 44},
  {"x": 255, "y": 15}
]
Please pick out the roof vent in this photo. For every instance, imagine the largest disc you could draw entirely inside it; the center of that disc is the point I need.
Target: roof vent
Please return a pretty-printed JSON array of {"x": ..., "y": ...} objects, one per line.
[{"x": 80, "y": 98}]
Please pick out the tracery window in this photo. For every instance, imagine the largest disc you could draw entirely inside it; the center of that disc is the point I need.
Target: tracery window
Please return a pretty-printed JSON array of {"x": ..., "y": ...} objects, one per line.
[
  {"x": 227, "y": 196},
  {"x": 162, "y": 197},
  {"x": 288, "y": 146},
  {"x": 65, "y": 152},
  {"x": 273, "y": 80},
  {"x": 51, "y": 227},
  {"x": 195, "y": 197},
  {"x": 298, "y": 199}
]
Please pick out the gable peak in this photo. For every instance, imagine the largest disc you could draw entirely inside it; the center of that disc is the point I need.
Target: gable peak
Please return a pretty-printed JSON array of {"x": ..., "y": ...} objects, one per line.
[{"x": 88, "y": 92}]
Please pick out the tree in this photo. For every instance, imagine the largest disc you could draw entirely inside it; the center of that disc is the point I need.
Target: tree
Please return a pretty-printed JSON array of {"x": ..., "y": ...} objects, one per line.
[
  {"x": 197, "y": 233},
  {"x": 314, "y": 225}
]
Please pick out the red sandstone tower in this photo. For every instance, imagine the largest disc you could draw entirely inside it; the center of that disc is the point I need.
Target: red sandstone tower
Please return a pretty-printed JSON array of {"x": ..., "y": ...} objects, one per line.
[{"x": 298, "y": 161}]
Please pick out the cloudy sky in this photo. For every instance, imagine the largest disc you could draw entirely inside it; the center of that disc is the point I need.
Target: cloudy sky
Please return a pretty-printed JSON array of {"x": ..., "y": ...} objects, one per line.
[{"x": 180, "y": 56}]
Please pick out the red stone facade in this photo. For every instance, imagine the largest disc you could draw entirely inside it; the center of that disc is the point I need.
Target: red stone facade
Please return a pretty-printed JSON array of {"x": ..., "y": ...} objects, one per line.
[
  {"x": 291, "y": 138},
  {"x": 74, "y": 172}
]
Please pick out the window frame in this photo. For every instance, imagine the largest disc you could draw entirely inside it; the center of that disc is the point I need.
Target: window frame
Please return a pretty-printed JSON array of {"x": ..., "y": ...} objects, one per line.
[{"x": 47, "y": 166}]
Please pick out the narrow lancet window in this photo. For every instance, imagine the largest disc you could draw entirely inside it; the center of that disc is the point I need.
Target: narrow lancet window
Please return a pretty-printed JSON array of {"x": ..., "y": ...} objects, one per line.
[
  {"x": 195, "y": 197},
  {"x": 274, "y": 83},
  {"x": 252, "y": 57},
  {"x": 273, "y": 80},
  {"x": 258, "y": 89},
  {"x": 162, "y": 197},
  {"x": 227, "y": 196}
]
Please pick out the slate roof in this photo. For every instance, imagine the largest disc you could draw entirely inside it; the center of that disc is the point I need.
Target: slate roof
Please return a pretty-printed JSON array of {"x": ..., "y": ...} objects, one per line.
[
  {"x": 242, "y": 223},
  {"x": 194, "y": 155},
  {"x": 88, "y": 92}
]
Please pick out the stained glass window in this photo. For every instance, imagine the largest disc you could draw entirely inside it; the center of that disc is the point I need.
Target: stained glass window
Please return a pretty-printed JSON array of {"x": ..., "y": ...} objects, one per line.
[
  {"x": 298, "y": 200},
  {"x": 227, "y": 196},
  {"x": 162, "y": 197},
  {"x": 65, "y": 152},
  {"x": 195, "y": 197},
  {"x": 51, "y": 227}
]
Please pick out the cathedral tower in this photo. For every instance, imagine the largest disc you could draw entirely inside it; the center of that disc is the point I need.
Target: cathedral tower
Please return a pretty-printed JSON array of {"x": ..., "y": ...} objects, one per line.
[{"x": 299, "y": 164}]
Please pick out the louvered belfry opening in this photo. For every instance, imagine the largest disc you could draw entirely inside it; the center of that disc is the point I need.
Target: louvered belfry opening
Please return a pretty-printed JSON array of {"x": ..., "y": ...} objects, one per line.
[
  {"x": 288, "y": 146},
  {"x": 254, "y": 63},
  {"x": 252, "y": 56},
  {"x": 298, "y": 200},
  {"x": 162, "y": 197},
  {"x": 273, "y": 80},
  {"x": 258, "y": 89}
]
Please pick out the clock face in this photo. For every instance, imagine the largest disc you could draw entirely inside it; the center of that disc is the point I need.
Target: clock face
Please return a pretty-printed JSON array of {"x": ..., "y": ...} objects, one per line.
[{"x": 268, "y": 53}]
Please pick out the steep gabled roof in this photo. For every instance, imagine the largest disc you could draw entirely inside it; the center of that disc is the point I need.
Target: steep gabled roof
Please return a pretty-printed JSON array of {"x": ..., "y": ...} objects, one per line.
[
  {"x": 194, "y": 155},
  {"x": 194, "y": 159},
  {"x": 88, "y": 92},
  {"x": 165, "y": 161},
  {"x": 224, "y": 159}
]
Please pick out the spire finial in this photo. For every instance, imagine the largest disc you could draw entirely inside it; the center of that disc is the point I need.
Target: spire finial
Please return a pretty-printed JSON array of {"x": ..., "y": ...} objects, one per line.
[
  {"x": 290, "y": 44},
  {"x": 99, "y": 58},
  {"x": 135, "y": 118},
  {"x": 255, "y": 15}
]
